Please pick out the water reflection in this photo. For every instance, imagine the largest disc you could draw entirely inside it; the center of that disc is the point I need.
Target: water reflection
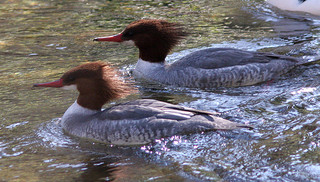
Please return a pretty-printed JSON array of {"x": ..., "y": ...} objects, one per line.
[{"x": 99, "y": 169}]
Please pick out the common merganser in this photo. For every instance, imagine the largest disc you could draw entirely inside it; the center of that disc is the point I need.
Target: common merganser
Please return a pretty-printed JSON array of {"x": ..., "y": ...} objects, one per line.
[
  {"x": 309, "y": 6},
  {"x": 207, "y": 68},
  {"x": 135, "y": 122}
]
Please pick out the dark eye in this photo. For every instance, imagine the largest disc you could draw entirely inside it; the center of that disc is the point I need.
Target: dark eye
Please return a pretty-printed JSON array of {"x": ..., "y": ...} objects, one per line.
[
  {"x": 71, "y": 79},
  {"x": 128, "y": 34}
]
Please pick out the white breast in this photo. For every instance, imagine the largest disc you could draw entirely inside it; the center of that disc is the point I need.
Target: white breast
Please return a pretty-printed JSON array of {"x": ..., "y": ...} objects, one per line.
[
  {"x": 75, "y": 110},
  {"x": 150, "y": 71}
]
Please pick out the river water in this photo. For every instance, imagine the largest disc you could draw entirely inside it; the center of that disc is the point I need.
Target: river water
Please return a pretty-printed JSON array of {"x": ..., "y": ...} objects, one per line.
[{"x": 41, "y": 39}]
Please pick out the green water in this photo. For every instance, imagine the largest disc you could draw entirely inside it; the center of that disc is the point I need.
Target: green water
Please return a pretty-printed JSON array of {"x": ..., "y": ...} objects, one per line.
[{"x": 40, "y": 40}]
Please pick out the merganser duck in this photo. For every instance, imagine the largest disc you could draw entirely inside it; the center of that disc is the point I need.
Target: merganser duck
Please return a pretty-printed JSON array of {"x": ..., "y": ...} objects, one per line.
[
  {"x": 309, "y": 6},
  {"x": 135, "y": 122},
  {"x": 207, "y": 68}
]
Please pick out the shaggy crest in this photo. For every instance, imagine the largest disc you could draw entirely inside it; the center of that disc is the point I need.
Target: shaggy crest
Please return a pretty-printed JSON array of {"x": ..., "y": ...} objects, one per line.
[
  {"x": 155, "y": 38},
  {"x": 97, "y": 81}
]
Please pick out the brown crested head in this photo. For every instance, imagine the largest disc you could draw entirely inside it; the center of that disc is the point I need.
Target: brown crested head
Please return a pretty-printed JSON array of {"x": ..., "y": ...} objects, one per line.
[
  {"x": 154, "y": 38},
  {"x": 97, "y": 83}
]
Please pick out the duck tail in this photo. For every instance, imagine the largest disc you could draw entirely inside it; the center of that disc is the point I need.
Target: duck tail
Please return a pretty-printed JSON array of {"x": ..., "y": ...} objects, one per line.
[{"x": 307, "y": 62}]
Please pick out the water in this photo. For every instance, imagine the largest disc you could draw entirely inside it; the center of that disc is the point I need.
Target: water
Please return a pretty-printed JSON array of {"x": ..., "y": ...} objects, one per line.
[{"x": 40, "y": 40}]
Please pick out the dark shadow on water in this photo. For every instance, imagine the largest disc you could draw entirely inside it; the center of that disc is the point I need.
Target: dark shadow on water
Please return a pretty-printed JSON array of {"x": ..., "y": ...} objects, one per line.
[{"x": 99, "y": 169}]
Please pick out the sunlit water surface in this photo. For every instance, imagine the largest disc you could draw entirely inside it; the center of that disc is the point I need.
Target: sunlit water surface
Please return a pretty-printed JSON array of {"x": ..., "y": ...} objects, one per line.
[{"x": 40, "y": 40}]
